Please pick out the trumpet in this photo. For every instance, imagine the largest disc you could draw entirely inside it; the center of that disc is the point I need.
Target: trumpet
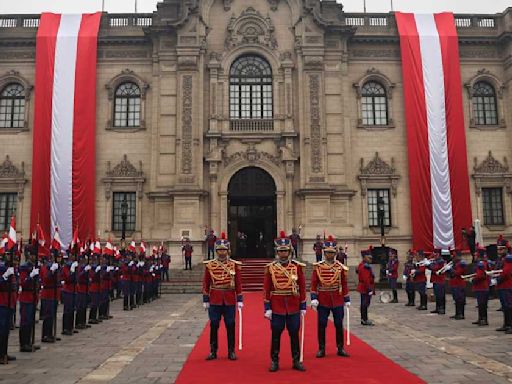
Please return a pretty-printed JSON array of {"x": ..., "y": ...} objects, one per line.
[
  {"x": 466, "y": 277},
  {"x": 445, "y": 267},
  {"x": 494, "y": 273},
  {"x": 423, "y": 263}
]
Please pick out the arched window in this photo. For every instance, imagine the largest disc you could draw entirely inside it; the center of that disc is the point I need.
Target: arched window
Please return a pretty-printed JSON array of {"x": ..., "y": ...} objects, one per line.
[
  {"x": 374, "y": 104},
  {"x": 12, "y": 106},
  {"x": 127, "y": 105},
  {"x": 250, "y": 88},
  {"x": 484, "y": 104}
]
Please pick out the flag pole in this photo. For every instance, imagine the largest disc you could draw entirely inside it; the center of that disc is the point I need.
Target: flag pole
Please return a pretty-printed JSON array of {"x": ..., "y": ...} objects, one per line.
[{"x": 102, "y": 5}]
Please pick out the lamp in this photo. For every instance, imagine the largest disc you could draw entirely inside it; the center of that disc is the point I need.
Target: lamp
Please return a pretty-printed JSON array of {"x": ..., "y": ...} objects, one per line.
[
  {"x": 124, "y": 216},
  {"x": 380, "y": 216}
]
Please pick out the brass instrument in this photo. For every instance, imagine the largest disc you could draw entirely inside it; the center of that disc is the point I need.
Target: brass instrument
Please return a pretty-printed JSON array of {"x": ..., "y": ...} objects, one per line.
[
  {"x": 494, "y": 273},
  {"x": 466, "y": 277},
  {"x": 445, "y": 267},
  {"x": 422, "y": 263}
]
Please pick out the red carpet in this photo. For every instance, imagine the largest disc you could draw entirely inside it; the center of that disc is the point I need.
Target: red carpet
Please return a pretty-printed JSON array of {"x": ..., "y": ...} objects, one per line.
[{"x": 365, "y": 366}]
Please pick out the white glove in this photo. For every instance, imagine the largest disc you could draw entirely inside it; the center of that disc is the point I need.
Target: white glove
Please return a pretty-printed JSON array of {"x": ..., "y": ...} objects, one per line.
[
  {"x": 117, "y": 268},
  {"x": 494, "y": 281},
  {"x": 240, "y": 305},
  {"x": 404, "y": 277},
  {"x": 370, "y": 293},
  {"x": 98, "y": 268},
  {"x": 34, "y": 272},
  {"x": 413, "y": 271},
  {"x": 54, "y": 267},
  {"x": 130, "y": 263},
  {"x": 153, "y": 275},
  {"x": 347, "y": 304},
  {"x": 72, "y": 268},
  {"x": 110, "y": 268},
  {"x": 387, "y": 272},
  {"x": 428, "y": 262},
  {"x": 448, "y": 268},
  {"x": 206, "y": 306},
  {"x": 87, "y": 268},
  {"x": 8, "y": 272},
  {"x": 74, "y": 264},
  {"x": 141, "y": 264},
  {"x": 151, "y": 269},
  {"x": 268, "y": 314},
  {"x": 314, "y": 303},
  {"x": 303, "y": 312}
]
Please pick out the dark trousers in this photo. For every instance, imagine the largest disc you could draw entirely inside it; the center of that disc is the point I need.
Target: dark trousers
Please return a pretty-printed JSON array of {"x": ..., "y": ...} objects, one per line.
[
  {"x": 5, "y": 328},
  {"x": 188, "y": 262},
  {"x": 292, "y": 324},
  {"x": 211, "y": 251}
]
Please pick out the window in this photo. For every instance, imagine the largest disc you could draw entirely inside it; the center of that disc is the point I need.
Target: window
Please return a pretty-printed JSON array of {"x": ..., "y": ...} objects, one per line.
[
  {"x": 484, "y": 104},
  {"x": 12, "y": 106},
  {"x": 127, "y": 105},
  {"x": 117, "y": 221},
  {"x": 493, "y": 206},
  {"x": 250, "y": 89},
  {"x": 7, "y": 209},
  {"x": 374, "y": 104},
  {"x": 373, "y": 216}
]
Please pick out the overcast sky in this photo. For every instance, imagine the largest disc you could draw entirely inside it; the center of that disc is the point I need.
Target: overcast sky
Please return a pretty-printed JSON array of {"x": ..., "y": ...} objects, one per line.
[{"x": 80, "y": 6}]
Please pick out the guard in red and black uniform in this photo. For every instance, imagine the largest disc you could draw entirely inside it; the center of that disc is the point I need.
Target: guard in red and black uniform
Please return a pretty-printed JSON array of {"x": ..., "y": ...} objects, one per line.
[
  {"x": 458, "y": 284},
  {"x": 318, "y": 248},
  {"x": 7, "y": 305},
  {"x": 329, "y": 293},
  {"x": 437, "y": 279},
  {"x": 94, "y": 289},
  {"x": 392, "y": 273},
  {"x": 82, "y": 292},
  {"x": 222, "y": 293},
  {"x": 105, "y": 285},
  {"x": 69, "y": 295},
  {"x": 420, "y": 279},
  {"x": 481, "y": 288},
  {"x": 28, "y": 281},
  {"x": 284, "y": 294},
  {"x": 50, "y": 292},
  {"x": 366, "y": 286},
  {"x": 408, "y": 279},
  {"x": 504, "y": 286}
]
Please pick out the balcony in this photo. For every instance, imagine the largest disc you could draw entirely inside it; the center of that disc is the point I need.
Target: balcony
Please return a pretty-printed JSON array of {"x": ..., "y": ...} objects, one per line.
[{"x": 251, "y": 125}]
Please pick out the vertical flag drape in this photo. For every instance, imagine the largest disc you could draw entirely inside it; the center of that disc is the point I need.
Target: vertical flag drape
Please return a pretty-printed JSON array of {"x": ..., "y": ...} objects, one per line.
[
  {"x": 438, "y": 169},
  {"x": 64, "y": 168}
]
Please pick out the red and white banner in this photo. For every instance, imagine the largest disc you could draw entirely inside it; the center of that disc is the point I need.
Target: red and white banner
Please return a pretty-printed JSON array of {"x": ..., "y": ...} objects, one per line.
[
  {"x": 11, "y": 242},
  {"x": 438, "y": 167},
  {"x": 64, "y": 150}
]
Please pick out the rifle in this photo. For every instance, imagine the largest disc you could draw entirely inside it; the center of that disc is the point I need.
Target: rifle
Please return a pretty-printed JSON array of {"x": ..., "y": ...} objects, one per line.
[
  {"x": 55, "y": 299},
  {"x": 35, "y": 293},
  {"x": 9, "y": 287}
]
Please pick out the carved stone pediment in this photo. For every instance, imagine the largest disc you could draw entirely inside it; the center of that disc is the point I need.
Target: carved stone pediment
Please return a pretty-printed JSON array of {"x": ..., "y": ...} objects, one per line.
[
  {"x": 377, "y": 166},
  {"x": 12, "y": 178},
  {"x": 125, "y": 174},
  {"x": 251, "y": 27},
  {"x": 9, "y": 170},
  {"x": 251, "y": 154},
  {"x": 490, "y": 166},
  {"x": 124, "y": 169}
]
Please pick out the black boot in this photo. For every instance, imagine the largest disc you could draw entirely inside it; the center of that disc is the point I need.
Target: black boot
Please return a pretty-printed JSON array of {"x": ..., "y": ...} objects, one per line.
[
  {"x": 364, "y": 317},
  {"x": 477, "y": 322},
  {"x": 125, "y": 303},
  {"x": 506, "y": 320},
  {"x": 26, "y": 339},
  {"x": 67, "y": 324},
  {"x": 321, "y": 342},
  {"x": 47, "y": 331},
  {"x": 395, "y": 297},
  {"x": 423, "y": 302},
  {"x": 275, "y": 346},
  {"x": 459, "y": 315},
  {"x": 231, "y": 341},
  {"x": 483, "y": 320},
  {"x": 213, "y": 342},
  {"x": 295, "y": 346},
  {"x": 456, "y": 311},
  {"x": 442, "y": 305},
  {"x": 92, "y": 316},
  {"x": 340, "y": 342}
]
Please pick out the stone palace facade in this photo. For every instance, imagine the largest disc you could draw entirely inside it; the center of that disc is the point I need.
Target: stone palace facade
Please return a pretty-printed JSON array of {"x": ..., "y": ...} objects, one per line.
[{"x": 257, "y": 116}]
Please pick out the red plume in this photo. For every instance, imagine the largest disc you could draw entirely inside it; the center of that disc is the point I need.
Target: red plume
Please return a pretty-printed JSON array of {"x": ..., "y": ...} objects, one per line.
[
  {"x": 330, "y": 238},
  {"x": 370, "y": 247},
  {"x": 282, "y": 234},
  {"x": 223, "y": 236}
]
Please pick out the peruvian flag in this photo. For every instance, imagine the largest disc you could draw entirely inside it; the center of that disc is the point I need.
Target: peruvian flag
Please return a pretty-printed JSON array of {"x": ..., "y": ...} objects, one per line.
[
  {"x": 438, "y": 166},
  {"x": 76, "y": 241},
  {"x": 11, "y": 242},
  {"x": 3, "y": 244},
  {"x": 132, "y": 246},
  {"x": 64, "y": 152},
  {"x": 56, "y": 243},
  {"x": 97, "y": 246},
  {"x": 109, "y": 249},
  {"x": 142, "y": 247}
]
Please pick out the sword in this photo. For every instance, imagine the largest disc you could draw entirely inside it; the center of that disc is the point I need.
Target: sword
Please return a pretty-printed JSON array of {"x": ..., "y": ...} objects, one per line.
[
  {"x": 348, "y": 325},
  {"x": 303, "y": 323},
  {"x": 239, "y": 329}
]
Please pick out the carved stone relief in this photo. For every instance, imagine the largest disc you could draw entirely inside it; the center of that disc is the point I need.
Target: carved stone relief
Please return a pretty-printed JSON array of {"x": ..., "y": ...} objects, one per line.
[
  {"x": 378, "y": 173},
  {"x": 250, "y": 28},
  {"x": 11, "y": 176},
  {"x": 186, "y": 120},
  {"x": 316, "y": 135},
  {"x": 124, "y": 173},
  {"x": 251, "y": 154},
  {"x": 491, "y": 173}
]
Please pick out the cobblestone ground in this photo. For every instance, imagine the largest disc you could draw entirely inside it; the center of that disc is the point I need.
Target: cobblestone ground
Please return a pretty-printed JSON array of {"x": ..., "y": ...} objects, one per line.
[{"x": 151, "y": 343}]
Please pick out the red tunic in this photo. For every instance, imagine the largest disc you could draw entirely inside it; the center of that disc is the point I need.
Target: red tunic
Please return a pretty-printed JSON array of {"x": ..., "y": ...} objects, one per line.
[
  {"x": 419, "y": 275},
  {"x": 83, "y": 279},
  {"x": 393, "y": 269},
  {"x": 434, "y": 267},
  {"x": 50, "y": 283},
  {"x": 284, "y": 287},
  {"x": 27, "y": 285},
  {"x": 222, "y": 282},
  {"x": 95, "y": 280},
  {"x": 458, "y": 270},
  {"x": 366, "y": 278},
  {"x": 68, "y": 278},
  {"x": 329, "y": 284},
  {"x": 505, "y": 277},
  {"x": 481, "y": 280}
]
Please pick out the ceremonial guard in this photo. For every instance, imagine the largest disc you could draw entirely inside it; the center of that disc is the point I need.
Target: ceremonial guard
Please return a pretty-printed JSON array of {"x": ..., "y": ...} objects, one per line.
[
  {"x": 69, "y": 277},
  {"x": 480, "y": 286},
  {"x": 82, "y": 292},
  {"x": 392, "y": 273},
  {"x": 329, "y": 293},
  {"x": 187, "y": 250},
  {"x": 318, "y": 248},
  {"x": 210, "y": 244},
  {"x": 458, "y": 284},
  {"x": 437, "y": 279},
  {"x": 222, "y": 294},
  {"x": 105, "y": 283},
  {"x": 408, "y": 279},
  {"x": 420, "y": 279},
  {"x": 7, "y": 304},
  {"x": 50, "y": 289},
  {"x": 504, "y": 286},
  {"x": 125, "y": 278},
  {"x": 366, "y": 286},
  {"x": 28, "y": 281},
  {"x": 94, "y": 290},
  {"x": 284, "y": 292}
]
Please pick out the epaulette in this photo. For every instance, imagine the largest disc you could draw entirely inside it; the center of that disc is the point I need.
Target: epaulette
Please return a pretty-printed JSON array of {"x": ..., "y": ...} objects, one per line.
[
  {"x": 269, "y": 264},
  {"x": 319, "y": 262},
  {"x": 236, "y": 261},
  {"x": 207, "y": 261},
  {"x": 345, "y": 268},
  {"x": 299, "y": 263}
]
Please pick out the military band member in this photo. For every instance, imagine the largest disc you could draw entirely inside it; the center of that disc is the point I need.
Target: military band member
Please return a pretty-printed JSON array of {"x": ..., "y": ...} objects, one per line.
[
  {"x": 420, "y": 280},
  {"x": 504, "y": 286},
  {"x": 329, "y": 293},
  {"x": 480, "y": 286},
  {"x": 437, "y": 280},
  {"x": 458, "y": 284},
  {"x": 318, "y": 247},
  {"x": 408, "y": 279},
  {"x": 392, "y": 273},
  {"x": 222, "y": 294},
  {"x": 284, "y": 292},
  {"x": 366, "y": 286}
]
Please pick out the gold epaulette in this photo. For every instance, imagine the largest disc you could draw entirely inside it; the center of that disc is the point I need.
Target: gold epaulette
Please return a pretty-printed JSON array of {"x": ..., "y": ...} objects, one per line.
[
  {"x": 345, "y": 268},
  {"x": 319, "y": 262},
  {"x": 206, "y": 261},
  {"x": 299, "y": 263},
  {"x": 236, "y": 261}
]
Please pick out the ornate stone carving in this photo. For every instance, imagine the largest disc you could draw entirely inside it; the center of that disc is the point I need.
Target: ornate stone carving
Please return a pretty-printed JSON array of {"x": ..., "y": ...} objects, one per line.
[
  {"x": 227, "y": 4},
  {"x": 186, "y": 120},
  {"x": 124, "y": 169},
  {"x": 377, "y": 166},
  {"x": 316, "y": 136},
  {"x": 490, "y": 166},
  {"x": 273, "y": 4},
  {"x": 11, "y": 178},
  {"x": 250, "y": 28},
  {"x": 124, "y": 76},
  {"x": 124, "y": 173},
  {"x": 9, "y": 170},
  {"x": 252, "y": 155}
]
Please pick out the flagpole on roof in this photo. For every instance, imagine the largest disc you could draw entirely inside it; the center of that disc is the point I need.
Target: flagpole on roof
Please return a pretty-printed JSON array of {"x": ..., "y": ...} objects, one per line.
[
  {"x": 364, "y": 6},
  {"x": 392, "y": 8},
  {"x": 135, "y": 6},
  {"x": 102, "y": 5}
]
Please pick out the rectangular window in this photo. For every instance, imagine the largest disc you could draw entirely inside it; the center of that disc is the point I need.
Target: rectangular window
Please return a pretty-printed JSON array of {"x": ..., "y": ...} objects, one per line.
[
  {"x": 117, "y": 212},
  {"x": 373, "y": 212},
  {"x": 7, "y": 209},
  {"x": 493, "y": 206}
]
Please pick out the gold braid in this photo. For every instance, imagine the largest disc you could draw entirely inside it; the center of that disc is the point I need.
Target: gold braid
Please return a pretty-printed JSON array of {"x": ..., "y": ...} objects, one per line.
[
  {"x": 335, "y": 277},
  {"x": 292, "y": 277},
  {"x": 226, "y": 272}
]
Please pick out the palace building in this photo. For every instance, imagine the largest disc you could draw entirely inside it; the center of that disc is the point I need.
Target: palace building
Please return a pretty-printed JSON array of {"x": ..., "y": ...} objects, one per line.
[{"x": 257, "y": 116}]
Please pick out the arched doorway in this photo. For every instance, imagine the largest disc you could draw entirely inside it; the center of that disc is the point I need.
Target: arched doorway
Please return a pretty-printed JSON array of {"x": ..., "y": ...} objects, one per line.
[{"x": 252, "y": 212}]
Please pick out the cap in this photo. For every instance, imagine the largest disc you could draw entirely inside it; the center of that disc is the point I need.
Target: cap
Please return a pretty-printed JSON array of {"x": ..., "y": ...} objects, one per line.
[
  {"x": 222, "y": 242},
  {"x": 282, "y": 243},
  {"x": 330, "y": 244}
]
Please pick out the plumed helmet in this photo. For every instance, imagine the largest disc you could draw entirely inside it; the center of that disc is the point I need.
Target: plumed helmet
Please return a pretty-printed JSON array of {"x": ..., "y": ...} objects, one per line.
[
  {"x": 222, "y": 242},
  {"x": 282, "y": 243},
  {"x": 330, "y": 244}
]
